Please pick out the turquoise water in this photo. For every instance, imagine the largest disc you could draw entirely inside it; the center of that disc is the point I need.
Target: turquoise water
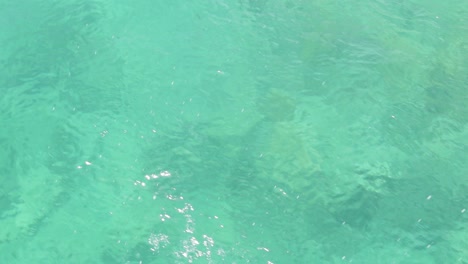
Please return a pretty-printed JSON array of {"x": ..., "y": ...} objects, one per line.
[{"x": 248, "y": 131}]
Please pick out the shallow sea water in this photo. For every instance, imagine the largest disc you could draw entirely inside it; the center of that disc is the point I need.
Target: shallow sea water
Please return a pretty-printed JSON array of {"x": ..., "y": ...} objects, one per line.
[{"x": 245, "y": 131}]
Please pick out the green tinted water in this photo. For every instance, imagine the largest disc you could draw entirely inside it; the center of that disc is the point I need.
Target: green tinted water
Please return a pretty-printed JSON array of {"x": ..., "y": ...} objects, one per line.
[{"x": 248, "y": 131}]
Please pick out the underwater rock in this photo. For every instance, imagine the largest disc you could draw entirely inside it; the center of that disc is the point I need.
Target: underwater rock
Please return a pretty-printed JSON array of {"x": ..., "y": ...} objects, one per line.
[{"x": 39, "y": 191}]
